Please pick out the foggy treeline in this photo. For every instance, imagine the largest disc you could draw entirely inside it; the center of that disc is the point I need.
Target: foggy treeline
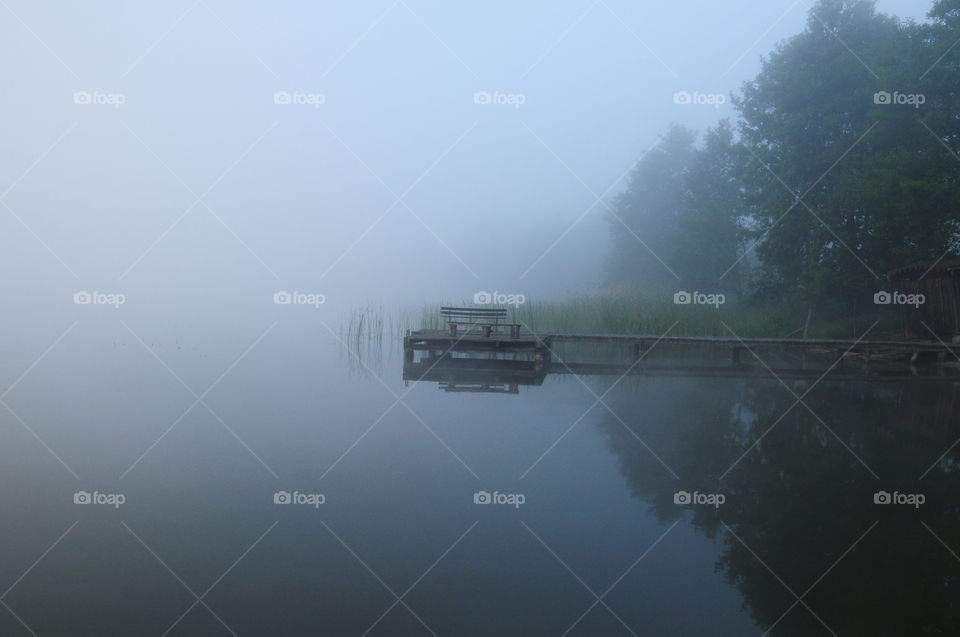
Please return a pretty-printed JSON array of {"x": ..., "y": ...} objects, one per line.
[{"x": 837, "y": 168}]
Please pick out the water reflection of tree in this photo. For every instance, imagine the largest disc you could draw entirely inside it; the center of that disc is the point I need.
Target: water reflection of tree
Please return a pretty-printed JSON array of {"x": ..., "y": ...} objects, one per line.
[{"x": 801, "y": 497}]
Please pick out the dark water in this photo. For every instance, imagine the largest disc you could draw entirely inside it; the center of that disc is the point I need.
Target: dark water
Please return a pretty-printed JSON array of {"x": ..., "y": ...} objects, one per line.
[{"x": 399, "y": 547}]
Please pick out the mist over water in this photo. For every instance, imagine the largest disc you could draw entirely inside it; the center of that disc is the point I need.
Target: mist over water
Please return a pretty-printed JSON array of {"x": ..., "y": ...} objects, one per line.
[{"x": 218, "y": 220}]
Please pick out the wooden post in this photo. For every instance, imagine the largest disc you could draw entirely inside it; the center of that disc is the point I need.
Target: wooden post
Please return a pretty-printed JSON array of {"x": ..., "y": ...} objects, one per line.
[
  {"x": 541, "y": 356},
  {"x": 806, "y": 332},
  {"x": 856, "y": 306},
  {"x": 638, "y": 351}
]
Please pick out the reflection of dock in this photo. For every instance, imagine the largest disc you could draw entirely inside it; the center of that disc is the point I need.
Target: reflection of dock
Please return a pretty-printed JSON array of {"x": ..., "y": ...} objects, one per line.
[
  {"x": 506, "y": 376},
  {"x": 500, "y": 363},
  {"x": 475, "y": 375}
]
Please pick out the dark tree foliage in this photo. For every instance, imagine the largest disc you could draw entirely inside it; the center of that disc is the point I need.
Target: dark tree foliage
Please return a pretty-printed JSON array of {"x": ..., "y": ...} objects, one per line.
[{"x": 845, "y": 164}]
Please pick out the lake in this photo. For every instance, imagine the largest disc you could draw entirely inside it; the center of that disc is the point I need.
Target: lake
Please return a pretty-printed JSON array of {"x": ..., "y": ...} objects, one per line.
[{"x": 268, "y": 482}]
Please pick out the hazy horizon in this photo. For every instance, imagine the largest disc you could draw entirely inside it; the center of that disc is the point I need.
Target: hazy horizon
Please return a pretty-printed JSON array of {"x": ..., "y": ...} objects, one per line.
[{"x": 298, "y": 196}]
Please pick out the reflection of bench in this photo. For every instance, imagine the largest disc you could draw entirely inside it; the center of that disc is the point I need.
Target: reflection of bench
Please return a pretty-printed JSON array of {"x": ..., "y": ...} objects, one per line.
[
  {"x": 480, "y": 388},
  {"x": 486, "y": 319}
]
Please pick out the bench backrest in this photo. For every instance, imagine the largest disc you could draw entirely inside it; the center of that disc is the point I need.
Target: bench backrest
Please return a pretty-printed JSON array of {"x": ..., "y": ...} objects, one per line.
[{"x": 473, "y": 314}]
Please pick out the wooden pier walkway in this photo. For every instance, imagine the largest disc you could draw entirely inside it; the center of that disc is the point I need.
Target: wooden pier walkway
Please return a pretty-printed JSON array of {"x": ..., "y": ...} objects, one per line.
[
  {"x": 541, "y": 345},
  {"x": 501, "y": 363}
]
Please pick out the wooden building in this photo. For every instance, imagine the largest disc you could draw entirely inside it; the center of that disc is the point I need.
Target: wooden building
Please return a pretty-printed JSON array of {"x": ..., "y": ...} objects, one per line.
[{"x": 939, "y": 283}]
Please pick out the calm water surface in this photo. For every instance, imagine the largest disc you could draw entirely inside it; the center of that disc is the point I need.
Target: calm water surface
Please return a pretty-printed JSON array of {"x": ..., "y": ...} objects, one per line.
[{"x": 786, "y": 533}]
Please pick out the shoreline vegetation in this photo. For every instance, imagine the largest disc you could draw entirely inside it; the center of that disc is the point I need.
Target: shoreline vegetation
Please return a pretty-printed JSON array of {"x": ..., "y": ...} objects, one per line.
[{"x": 368, "y": 327}]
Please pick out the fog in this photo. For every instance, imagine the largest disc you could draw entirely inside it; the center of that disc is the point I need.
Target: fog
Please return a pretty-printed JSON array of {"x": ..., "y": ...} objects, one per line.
[
  {"x": 219, "y": 222},
  {"x": 189, "y": 187}
]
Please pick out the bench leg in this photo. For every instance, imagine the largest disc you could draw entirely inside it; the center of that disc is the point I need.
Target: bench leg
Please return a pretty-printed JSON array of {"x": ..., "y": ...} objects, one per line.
[
  {"x": 486, "y": 331},
  {"x": 452, "y": 329},
  {"x": 514, "y": 331}
]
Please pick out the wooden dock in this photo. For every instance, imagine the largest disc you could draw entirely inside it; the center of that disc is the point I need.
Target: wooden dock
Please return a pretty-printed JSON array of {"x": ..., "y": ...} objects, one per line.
[
  {"x": 539, "y": 346},
  {"x": 435, "y": 343},
  {"x": 501, "y": 363}
]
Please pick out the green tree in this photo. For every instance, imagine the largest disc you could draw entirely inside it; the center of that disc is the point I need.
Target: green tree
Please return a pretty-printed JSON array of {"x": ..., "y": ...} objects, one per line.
[
  {"x": 707, "y": 245},
  {"x": 845, "y": 184}
]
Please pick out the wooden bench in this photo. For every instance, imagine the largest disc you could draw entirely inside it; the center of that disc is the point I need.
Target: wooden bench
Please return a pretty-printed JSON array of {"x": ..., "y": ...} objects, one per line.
[{"x": 487, "y": 319}]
